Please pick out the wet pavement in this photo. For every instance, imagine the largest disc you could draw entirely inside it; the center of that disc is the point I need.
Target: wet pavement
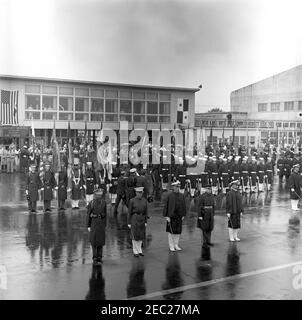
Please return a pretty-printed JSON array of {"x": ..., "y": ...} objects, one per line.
[{"x": 48, "y": 256}]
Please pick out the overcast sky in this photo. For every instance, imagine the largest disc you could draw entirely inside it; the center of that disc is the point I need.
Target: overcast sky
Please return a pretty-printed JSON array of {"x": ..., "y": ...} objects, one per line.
[{"x": 221, "y": 44}]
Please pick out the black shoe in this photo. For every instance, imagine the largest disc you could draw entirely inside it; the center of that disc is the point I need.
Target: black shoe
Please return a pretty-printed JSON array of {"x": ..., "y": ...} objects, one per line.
[
  {"x": 141, "y": 254},
  {"x": 210, "y": 244},
  {"x": 136, "y": 255}
]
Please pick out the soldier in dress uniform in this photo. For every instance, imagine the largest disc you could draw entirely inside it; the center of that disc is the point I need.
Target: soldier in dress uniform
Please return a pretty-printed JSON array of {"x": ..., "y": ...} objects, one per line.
[
  {"x": 33, "y": 186},
  {"x": 10, "y": 160},
  {"x": 137, "y": 220},
  {"x": 164, "y": 173},
  {"x": 268, "y": 169},
  {"x": 205, "y": 219},
  {"x": 234, "y": 210},
  {"x": 260, "y": 174},
  {"x": 214, "y": 180},
  {"x": 62, "y": 187},
  {"x": 76, "y": 185},
  {"x": 90, "y": 182},
  {"x": 174, "y": 211},
  {"x": 96, "y": 224},
  {"x": 120, "y": 191},
  {"x": 253, "y": 174},
  {"x": 287, "y": 167},
  {"x": 113, "y": 182},
  {"x": 48, "y": 185},
  {"x": 235, "y": 169}
]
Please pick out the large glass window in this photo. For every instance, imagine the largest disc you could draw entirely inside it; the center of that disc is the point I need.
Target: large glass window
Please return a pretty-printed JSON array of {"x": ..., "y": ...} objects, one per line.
[
  {"x": 111, "y": 106},
  {"x": 49, "y": 103},
  {"x": 65, "y": 104},
  {"x": 289, "y": 106},
  {"x": 31, "y": 88},
  {"x": 139, "y": 107},
  {"x": 139, "y": 95},
  {"x": 111, "y": 117},
  {"x": 97, "y": 93},
  {"x": 138, "y": 118},
  {"x": 81, "y": 116},
  {"x": 262, "y": 107},
  {"x": 152, "y": 119},
  {"x": 126, "y": 117},
  {"x": 111, "y": 94},
  {"x": 97, "y": 105},
  {"x": 32, "y": 102},
  {"x": 65, "y": 116},
  {"x": 125, "y": 106},
  {"x": 275, "y": 106},
  {"x": 164, "y": 97},
  {"x": 152, "y": 107},
  {"x": 49, "y": 90},
  {"x": 96, "y": 117},
  {"x": 152, "y": 95},
  {"x": 82, "y": 92},
  {"x": 49, "y": 116},
  {"x": 164, "y": 119},
  {"x": 164, "y": 108},
  {"x": 125, "y": 95},
  {"x": 81, "y": 104},
  {"x": 32, "y": 115},
  {"x": 65, "y": 91}
]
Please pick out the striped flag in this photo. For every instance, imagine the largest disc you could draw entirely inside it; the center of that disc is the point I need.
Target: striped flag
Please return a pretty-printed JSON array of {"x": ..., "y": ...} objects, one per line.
[
  {"x": 183, "y": 111},
  {"x": 9, "y": 107}
]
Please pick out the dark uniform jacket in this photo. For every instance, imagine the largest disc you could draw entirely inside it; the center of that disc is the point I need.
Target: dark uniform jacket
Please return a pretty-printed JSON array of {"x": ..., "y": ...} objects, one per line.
[
  {"x": 96, "y": 220},
  {"x": 77, "y": 184},
  {"x": 137, "y": 217},
  {"x": 62, "y": 185},
  {"x": 234, "y": 207},
  {"x": 49, "y": 182},
  {"x": 33, "y": 184},
  {"x": 206, "y": 211},
  {"x": 295, "y": 182},
  {"x": 90, "y": 181}
]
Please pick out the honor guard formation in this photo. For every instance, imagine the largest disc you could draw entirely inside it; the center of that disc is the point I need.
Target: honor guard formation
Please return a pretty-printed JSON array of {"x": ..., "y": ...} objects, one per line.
[{"x": 87, "y": 182}]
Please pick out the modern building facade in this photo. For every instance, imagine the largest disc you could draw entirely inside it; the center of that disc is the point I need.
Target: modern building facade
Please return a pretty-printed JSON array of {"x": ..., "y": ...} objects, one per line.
[{"x": 42, "y": 101}]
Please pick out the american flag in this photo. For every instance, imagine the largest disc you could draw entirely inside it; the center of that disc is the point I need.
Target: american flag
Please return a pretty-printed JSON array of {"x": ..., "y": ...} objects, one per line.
[{"x": 9, "y": 107}]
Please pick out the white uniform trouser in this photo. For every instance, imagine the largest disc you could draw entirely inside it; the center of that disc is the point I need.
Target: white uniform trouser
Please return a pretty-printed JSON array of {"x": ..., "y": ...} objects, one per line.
[
  {"x": 137, "y": 246},
  {"x": 294, "y": 204},
  {"x": 74, "y": 203},
  {"x": 173, "y": 240},
  {"x": 233, "y": 234},
  {"x": 89, "y": 198}
]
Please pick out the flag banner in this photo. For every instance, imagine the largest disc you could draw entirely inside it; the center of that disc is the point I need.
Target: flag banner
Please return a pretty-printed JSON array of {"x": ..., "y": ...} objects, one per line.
[
  {"x": 183, "y": 111},
  {"x": 9, "y": 107}
]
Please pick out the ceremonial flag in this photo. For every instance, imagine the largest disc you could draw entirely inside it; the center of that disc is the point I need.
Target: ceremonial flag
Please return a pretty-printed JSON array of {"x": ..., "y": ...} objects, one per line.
[
  {"x": 211, "y": 136},
  {"x": 9, "y": 107},
  {"x": 55, "y": 150},
  {"x": 183, "y": 111},
  {"x": 32, "y": 128},
  {"x": 233, "y": 138}
]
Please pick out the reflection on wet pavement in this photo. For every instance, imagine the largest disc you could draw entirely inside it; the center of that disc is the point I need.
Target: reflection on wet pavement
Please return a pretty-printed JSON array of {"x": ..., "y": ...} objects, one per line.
[{"x": 48, "y": 256}]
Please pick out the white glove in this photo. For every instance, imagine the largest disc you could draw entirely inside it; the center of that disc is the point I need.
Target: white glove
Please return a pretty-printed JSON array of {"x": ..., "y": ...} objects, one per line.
[
  {"x": 292, "y": 190},
  {"x": 168, "y": 219},
  {"x": 129, "y": 226},
  {"x": 145, "y": 224},
  {"x": 200, "y": 218},
  {"x": 228, "y": 215},
  {"x": 26, "y": 192},
  {"x": 240, "y": 214},
  {"x": 182, "y": 218},
  {"x": 88, "y": 229}
]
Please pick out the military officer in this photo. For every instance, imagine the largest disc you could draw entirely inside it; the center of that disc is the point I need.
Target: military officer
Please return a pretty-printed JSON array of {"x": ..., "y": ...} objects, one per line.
[
  {"x": 244, "y": 175},
  {"x": 137, "y": 220},
  {"x": 234, "y": 210},
  {"x": 90, "y": 182},
  {"x": 253, "y": 174},
  {"x": 76, "y": 185},
  {"x": 33, "y": 186},
  {"x": 205, "y": 219},
  {"x": 48, "y": 185},
  {"x": 130, "y": 186},
  {"x": 174, "y": 211},
  {"x": 295, "y": 185},
  {"x": 223, "y": 174},
  {"x": 268, "y": 169},
  {"x": 260, "y": 174},
  {"x": 96, "y": 224},
  {"x": 62, "y": 187},
  {"x": 120, "y": 191}
]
